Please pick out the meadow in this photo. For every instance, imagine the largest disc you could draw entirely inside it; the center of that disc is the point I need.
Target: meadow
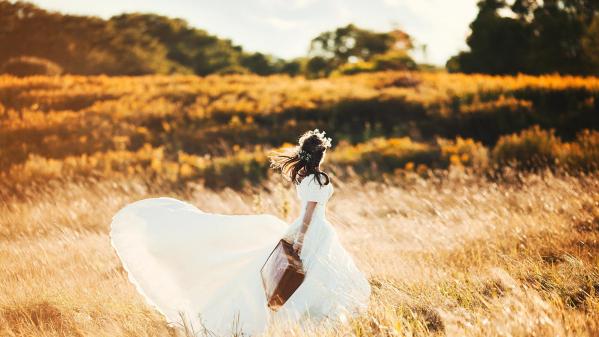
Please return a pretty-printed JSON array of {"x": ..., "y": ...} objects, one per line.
[
  {"x": 455, "y": 256},
  {"x": 470, "y": 201}
]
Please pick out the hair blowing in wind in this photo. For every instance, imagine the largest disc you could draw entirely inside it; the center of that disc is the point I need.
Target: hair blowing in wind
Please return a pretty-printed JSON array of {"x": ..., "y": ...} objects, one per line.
[{"x": 302, "y": 160}]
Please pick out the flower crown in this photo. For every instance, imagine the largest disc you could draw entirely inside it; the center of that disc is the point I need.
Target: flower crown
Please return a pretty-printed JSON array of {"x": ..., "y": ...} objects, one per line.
[{"x": 326, "y": 143}]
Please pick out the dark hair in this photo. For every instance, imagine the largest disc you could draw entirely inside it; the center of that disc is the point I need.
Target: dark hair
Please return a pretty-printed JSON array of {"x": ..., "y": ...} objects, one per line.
[{"x": 302, "y": 160}]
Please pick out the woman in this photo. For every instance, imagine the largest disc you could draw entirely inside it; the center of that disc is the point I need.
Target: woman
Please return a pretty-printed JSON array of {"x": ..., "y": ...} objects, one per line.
[{"x": 203, "y": 269}]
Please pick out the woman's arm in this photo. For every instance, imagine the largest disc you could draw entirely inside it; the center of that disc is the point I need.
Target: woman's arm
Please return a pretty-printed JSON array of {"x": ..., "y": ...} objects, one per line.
[{"x": 305, "y": 223}]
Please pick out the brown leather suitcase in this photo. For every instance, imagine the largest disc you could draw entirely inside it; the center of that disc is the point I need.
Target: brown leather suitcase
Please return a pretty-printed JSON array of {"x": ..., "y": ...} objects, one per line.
[{"x": 282, "y": 274}]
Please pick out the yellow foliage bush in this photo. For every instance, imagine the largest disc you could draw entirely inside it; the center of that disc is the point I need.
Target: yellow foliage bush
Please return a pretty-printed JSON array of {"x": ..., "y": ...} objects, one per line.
[
  {"x": 189, "y": 127},
  {"x": 535, "y": 148}
]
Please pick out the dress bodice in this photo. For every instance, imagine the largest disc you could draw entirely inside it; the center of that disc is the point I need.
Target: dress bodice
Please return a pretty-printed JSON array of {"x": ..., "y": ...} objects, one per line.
[{"x": 310, "y": 190}]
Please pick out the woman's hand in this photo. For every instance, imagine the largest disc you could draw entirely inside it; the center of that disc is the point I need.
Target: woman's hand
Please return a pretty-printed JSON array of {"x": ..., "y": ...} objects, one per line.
[{"x": 299, "y": 243}]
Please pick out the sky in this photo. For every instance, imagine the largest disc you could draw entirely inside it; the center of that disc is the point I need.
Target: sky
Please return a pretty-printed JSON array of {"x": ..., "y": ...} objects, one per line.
[{"x": 284, "y": 28}]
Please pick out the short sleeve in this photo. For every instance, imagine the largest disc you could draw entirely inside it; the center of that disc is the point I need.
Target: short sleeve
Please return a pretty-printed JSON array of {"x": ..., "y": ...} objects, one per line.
[{"x": 315, "y": 192}]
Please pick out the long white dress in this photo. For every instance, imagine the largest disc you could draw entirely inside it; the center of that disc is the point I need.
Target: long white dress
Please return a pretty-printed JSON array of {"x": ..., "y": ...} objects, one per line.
[{"x": 204, "y": 268}]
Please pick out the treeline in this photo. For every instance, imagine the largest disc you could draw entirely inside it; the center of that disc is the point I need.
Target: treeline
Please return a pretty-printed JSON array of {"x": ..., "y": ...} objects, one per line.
[
  {"x": 521, "y": 36},
  {"x": 532, "y": 37},
  {"x": 42, "y": 42},
  {"x": 127, "y": 44}
]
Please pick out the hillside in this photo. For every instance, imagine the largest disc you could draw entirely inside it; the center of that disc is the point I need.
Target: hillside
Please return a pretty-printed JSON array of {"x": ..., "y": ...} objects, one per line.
[
  {"x": 219, "y": 128},
  {"x": 126, "y": 44}
]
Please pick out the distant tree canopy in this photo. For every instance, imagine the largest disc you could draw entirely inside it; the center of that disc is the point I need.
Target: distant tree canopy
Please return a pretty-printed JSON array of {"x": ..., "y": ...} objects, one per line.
[
  {"x": 127, "y": 44},
  {"x": 532, "y": 36},
  {"x": 344, "y": 46},
  {"x": 139, "y": 43}
]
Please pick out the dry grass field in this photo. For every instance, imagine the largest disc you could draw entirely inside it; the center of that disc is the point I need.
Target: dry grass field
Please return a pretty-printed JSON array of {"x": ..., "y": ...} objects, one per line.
[
  {"x": 454, "y": 239},
  {"x": 456, "y": 255}
]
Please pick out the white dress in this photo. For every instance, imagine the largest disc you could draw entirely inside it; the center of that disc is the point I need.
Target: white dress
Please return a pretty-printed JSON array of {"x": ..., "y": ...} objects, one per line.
[{"x": 204, "y": 268}]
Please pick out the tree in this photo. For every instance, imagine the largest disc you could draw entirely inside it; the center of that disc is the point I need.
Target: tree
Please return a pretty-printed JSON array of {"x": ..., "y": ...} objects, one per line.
[
  {"x": 189, "y": 47},
  {"x": 350, "y": 44},
  {"x": 292, "y": 68},
  {"x": 534, "y": 37},
  {"x": 590, "y": 44},
  {"x": 318, "y": 66},
  {"x": 127, "y": 44},
  {"x": 263, "y": 64},
  {"x": 559, "y": 27},
  {"x": 498, "y": 45}
]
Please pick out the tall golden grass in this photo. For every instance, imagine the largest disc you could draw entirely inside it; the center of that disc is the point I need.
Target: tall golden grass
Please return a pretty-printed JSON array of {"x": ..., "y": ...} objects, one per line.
[
  {"x": 457, "y": 255},
  {"x": 467, "y": 219}
]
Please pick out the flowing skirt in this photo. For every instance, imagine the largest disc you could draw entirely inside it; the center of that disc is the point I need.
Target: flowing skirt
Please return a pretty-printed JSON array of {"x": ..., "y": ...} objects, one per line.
[{"x": 204, "y": 269}]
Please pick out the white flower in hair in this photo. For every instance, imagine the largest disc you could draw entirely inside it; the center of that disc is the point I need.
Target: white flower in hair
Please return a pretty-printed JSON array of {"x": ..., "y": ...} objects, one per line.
[
  {"x": 326, "y": 141},
  {"x": 304, "y": 155}
]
